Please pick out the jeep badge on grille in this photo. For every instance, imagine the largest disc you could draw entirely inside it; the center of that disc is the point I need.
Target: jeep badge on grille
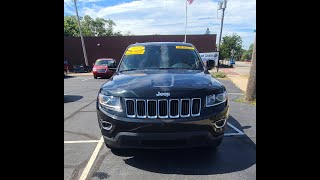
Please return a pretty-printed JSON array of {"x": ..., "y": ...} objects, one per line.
[{"x": 163, "y": 94}]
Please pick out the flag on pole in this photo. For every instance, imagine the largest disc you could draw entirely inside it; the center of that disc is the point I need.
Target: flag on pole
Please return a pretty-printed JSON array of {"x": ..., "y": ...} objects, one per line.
[{"x": 190, "y": 1}]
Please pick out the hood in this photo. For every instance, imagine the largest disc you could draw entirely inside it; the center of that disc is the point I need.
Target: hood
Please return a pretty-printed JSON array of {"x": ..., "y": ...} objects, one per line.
[{"x": 162, "y": 83}]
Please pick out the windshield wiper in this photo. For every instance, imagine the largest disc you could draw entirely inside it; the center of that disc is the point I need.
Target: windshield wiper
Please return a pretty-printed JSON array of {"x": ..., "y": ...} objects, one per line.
[{"x": 129, "y": 69}]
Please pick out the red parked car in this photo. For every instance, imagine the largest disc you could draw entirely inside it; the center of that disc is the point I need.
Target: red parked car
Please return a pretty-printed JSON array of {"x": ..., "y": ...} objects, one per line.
[{"x": 104, "y": 67}]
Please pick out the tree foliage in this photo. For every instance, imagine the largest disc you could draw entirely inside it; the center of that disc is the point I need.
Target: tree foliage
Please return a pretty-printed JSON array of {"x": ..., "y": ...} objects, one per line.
[
  {"x": 248, "y": 53},
  {"x": 71, "y": 28},
  {"x": 229, "y": 43},
  {"x": 89, "y": 27}
]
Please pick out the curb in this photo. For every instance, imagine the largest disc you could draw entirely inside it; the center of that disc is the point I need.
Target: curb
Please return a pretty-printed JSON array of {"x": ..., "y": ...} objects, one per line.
[{"x": 80, "y": 74}]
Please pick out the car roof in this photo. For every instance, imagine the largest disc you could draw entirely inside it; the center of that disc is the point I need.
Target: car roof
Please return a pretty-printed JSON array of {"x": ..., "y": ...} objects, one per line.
[{"x": 162, "y": 43}]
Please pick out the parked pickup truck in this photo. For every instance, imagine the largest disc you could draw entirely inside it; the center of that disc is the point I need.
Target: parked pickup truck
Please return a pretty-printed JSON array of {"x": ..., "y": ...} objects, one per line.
[{"x": 162, "y": 96}]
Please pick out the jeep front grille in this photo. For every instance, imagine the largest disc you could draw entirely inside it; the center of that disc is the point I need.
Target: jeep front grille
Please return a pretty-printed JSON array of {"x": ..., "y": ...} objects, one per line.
[{"x": 163, "y": 108}]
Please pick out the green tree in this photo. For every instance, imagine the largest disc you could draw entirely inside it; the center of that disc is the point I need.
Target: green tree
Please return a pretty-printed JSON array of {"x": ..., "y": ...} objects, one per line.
[
  {"x": 118, "y": 33},
  {"x": 251, "y": 48},
  {"x": 229, "y": 43},
  {"x": 110, "y": 25},
  {"x": 247, "y": 53},
  {"x": 89, "y": 27},
  {"x": 71, "y": 28}
]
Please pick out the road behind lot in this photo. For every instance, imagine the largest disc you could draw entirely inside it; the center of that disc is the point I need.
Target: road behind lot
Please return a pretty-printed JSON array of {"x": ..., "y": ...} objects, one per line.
[{"x": 234, "y": 159}]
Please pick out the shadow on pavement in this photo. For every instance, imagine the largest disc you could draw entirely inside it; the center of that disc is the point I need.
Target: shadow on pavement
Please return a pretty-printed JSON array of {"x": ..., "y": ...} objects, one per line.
[
  {"x": 235, "y": 123},
  {"x": 68, "y": 77},
  {"x": 71, "y": 98},
  {"x": 246, "y": 127},
  {"x": 235, "y": 153}
]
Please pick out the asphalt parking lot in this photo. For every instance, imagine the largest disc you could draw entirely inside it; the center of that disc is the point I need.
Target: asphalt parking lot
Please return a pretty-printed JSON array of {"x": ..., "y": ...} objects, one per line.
[{"x": 86, "y": 156}]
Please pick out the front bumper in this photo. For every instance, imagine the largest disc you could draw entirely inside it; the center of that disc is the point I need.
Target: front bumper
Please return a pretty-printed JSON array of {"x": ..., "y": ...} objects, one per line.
[
  {"x": 162, "y": 140},
  {"x": 105, "y": 74},
  {"x": 119, "y": 132}
]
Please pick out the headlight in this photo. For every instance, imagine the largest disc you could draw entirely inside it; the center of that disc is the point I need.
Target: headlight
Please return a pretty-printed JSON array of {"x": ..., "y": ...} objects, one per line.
[
  {"x": 94, "y": 69},
  {"x": 110, "y": 102},
  {"x": 213, "y": 100}
]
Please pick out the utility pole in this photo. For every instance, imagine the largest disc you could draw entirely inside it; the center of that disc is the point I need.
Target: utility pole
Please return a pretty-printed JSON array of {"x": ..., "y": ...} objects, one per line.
[
  {"x": 223, "y": 6},
  {"x": 251, "y": 87},
  {"x": 185, "y": 28},
  {"x": 82, "y": 41}
]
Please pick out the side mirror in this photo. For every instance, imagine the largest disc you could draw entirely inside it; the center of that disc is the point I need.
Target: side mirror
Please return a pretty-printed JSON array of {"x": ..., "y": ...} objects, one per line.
[{"x": 210, "y": 64}]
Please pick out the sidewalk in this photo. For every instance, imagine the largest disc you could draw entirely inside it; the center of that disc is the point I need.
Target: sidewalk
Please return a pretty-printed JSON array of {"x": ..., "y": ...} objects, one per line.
[
  {"x": 238, "y": 75},
  {"x": 240, "y": 81}
]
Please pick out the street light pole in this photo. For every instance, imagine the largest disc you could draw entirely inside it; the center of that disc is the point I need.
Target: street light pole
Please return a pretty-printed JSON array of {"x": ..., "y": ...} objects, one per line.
[
  {"x": 223, "y": 6},
  {"x": 82, "y": 40}
]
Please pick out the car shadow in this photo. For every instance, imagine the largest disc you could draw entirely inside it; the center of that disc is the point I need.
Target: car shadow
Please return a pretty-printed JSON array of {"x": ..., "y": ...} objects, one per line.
[
  {"x": 246, "y": 127},
  {"x": 68, "y": 77},
  {"x": 71, "y": 98},
  {"x": 236, "y": 124},
  {"x": 235, "y": 153}
]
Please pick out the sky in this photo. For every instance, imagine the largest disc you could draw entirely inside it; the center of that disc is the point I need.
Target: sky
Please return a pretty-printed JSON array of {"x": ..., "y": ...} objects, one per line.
[{"x": 147, "y": 17}]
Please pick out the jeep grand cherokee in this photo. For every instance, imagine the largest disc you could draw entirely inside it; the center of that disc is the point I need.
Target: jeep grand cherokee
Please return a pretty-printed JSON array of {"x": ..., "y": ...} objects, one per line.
[{"x": 162, "y": 96}]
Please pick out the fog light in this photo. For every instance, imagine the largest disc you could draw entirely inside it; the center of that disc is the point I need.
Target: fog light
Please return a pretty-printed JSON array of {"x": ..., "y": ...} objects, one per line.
[
  {"x": 106, "y": 125},
  {"x": 220, "y": 123}
]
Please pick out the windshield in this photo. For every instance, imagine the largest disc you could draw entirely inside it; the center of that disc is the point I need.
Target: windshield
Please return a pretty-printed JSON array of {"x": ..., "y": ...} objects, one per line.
[
  {"x": 104, "y": 62},
  {"x": 160, "y": 57}
]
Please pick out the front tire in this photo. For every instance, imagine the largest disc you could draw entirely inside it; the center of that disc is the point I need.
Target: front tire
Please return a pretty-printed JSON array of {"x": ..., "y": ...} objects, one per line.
[{"x": 95, "y": 77}]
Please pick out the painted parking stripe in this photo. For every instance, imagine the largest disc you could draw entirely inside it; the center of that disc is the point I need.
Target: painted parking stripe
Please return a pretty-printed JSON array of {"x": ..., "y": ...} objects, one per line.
[
  {"x": 236, "y": 129},
  {"x": 234, "y": 134},
  {"x": 86, "y": 141},
  {"x": 232, "y": 126},
  {"x": 87, "y": 79},
  {"x": 91, "y": 160}
]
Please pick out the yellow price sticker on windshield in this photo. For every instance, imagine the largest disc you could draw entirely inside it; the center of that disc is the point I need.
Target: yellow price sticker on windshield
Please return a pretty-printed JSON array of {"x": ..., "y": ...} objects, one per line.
[
  {"x": 185, "y": 47},
  {"x": 135, "y": 50}
]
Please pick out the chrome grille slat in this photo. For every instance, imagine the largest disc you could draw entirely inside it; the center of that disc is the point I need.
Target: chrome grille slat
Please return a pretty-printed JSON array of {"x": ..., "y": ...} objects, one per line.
[
  {"x": 152, "y": 108},
  {"x": 141, "y": 108},
  {"x": 174, "y": 108},
  {"x": 185, "y": 108},
  {"x": 163, "y": 108},
  {"x": 195, "y": 106},
  {"x": 130, "y": 107}
]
